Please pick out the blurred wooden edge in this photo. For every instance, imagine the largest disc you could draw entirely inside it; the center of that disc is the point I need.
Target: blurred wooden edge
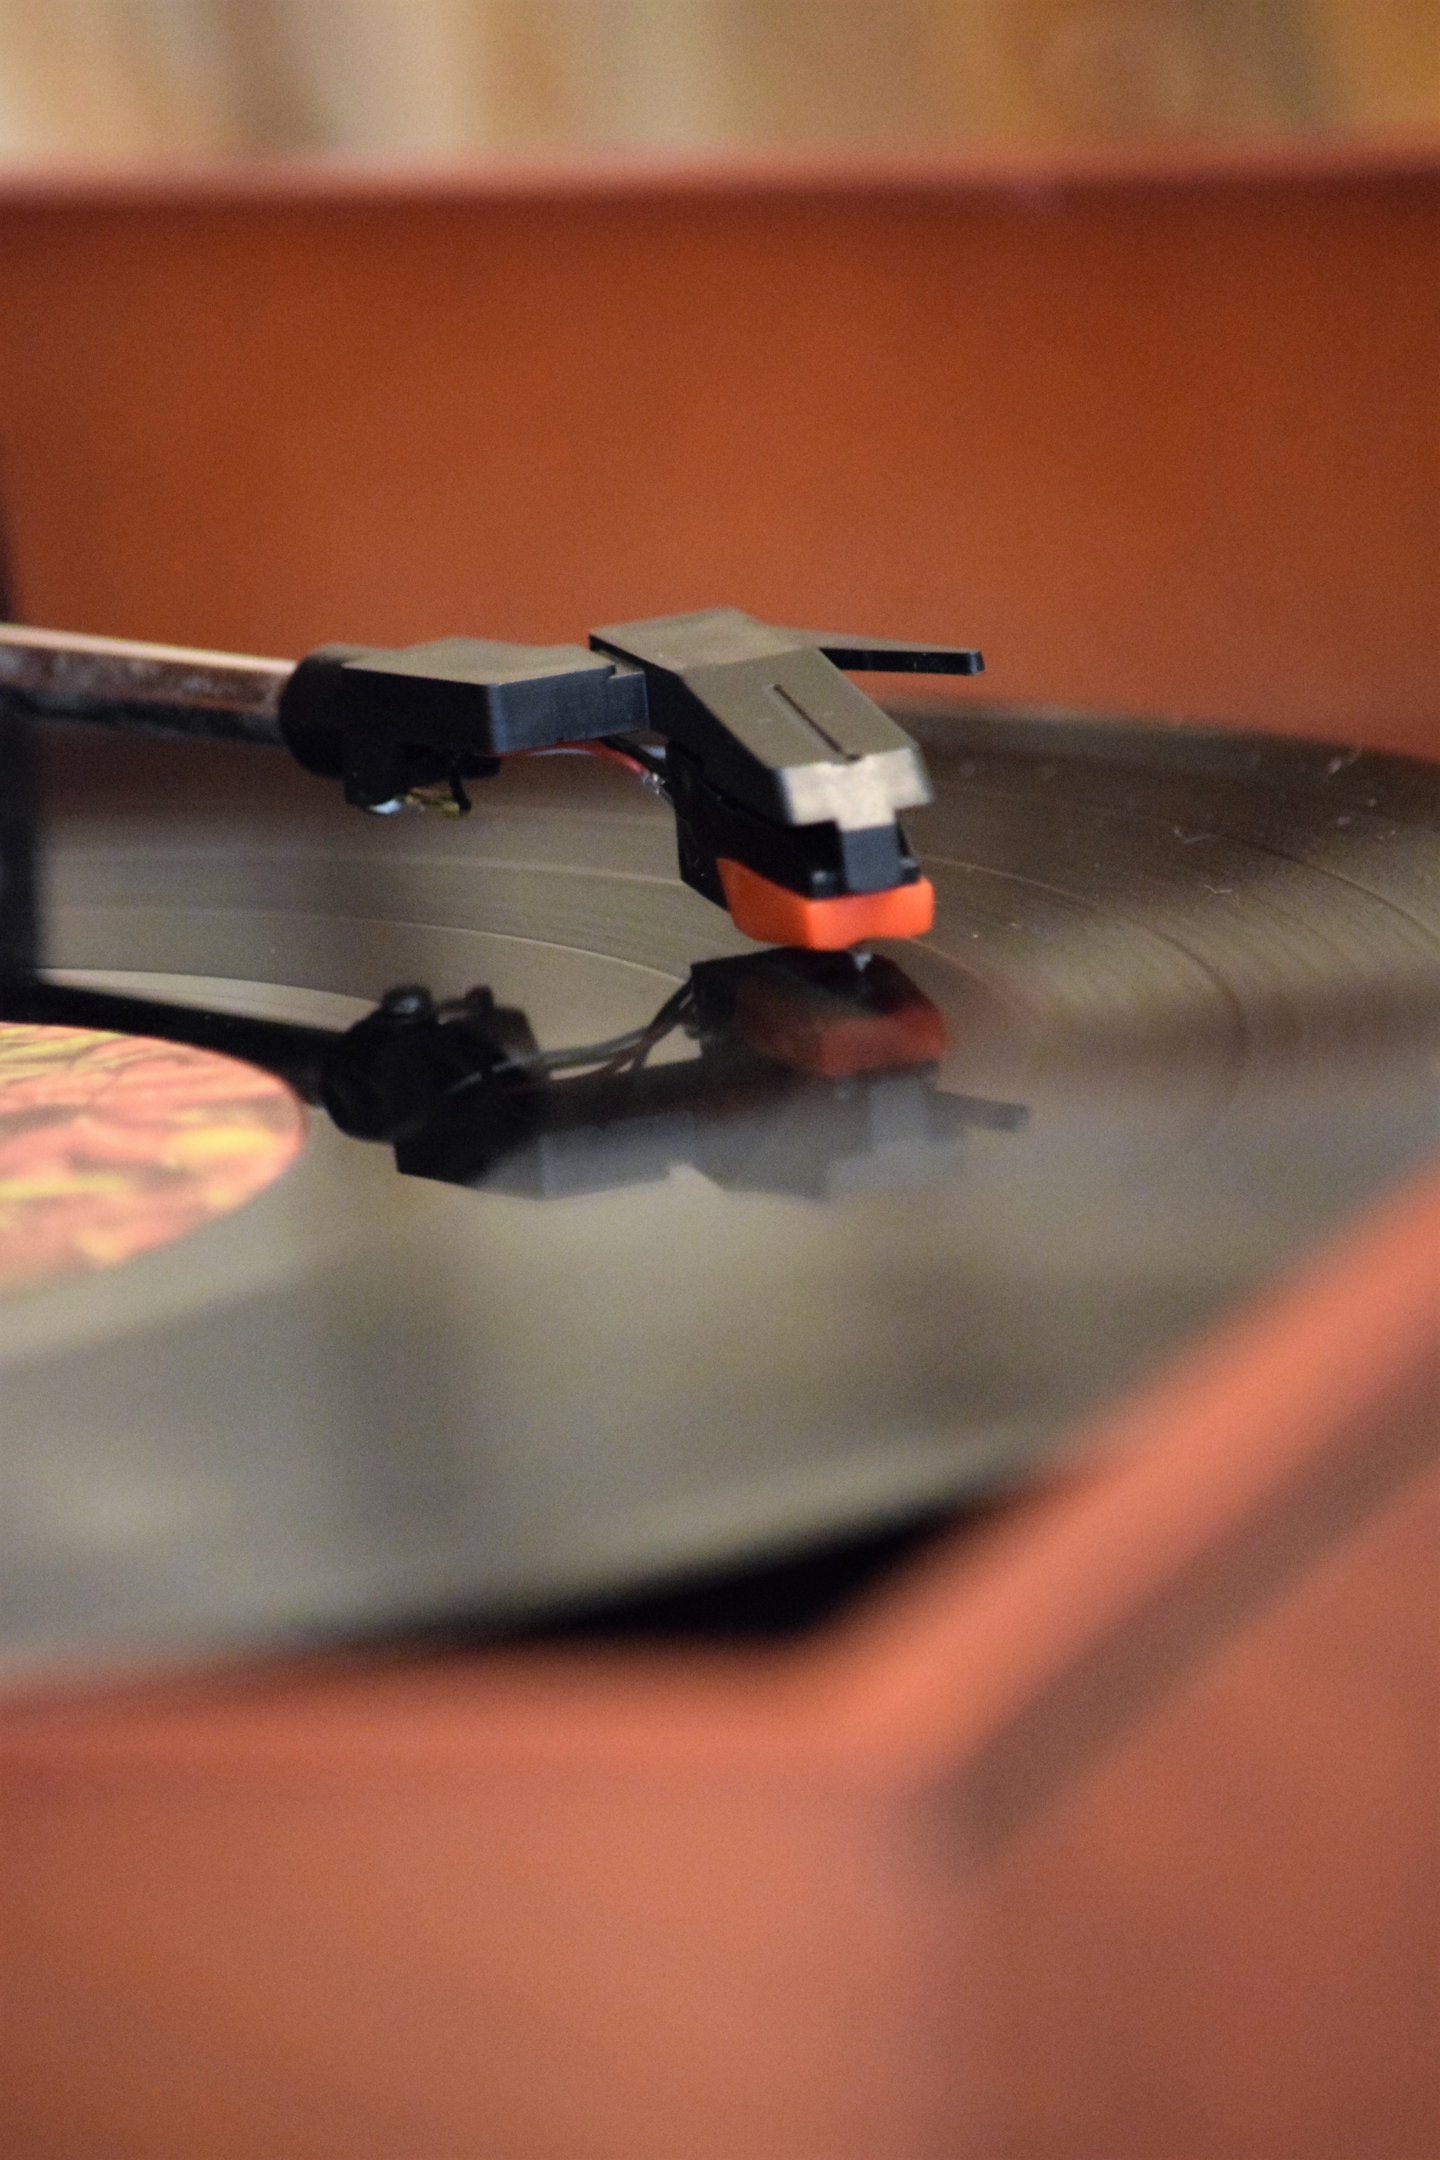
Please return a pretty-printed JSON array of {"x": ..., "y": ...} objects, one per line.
[
  {"x": 994, "y": 1672},
  {"x": 981, "y": 169}
]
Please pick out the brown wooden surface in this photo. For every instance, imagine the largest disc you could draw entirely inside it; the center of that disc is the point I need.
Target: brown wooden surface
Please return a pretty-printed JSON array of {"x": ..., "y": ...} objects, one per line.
[
  {"x": 1162, "y": 446},
  {"x": 1226, "y": 1946}
]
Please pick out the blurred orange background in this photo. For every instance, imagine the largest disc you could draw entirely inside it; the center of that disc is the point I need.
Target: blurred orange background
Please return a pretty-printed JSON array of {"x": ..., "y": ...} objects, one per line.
[{"x": 1160, "y": 440}]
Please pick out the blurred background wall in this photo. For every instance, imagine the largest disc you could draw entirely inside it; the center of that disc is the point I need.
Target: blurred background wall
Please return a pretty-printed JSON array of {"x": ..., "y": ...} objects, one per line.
[
  {"x": 1102, "y": 333},
  {"x": 161, "y": 81}
]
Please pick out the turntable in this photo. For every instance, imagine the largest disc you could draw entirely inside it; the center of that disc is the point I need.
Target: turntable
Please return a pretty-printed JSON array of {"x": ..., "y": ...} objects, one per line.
[
  {"x": 623, "y": 1250},
  {"x": 490, "y": 1331},
  {"x": 1075, "y": 1798}
]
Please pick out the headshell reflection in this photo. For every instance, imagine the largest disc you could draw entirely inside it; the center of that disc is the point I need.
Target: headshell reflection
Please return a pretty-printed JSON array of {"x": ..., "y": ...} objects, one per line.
[{"x": 811, "y": 1074}]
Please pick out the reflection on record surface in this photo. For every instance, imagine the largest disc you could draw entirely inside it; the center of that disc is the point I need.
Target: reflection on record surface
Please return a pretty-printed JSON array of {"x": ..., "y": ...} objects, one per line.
[
  {"x": 696, "y": 1253},
  {"x": 812, "y": 1073}
]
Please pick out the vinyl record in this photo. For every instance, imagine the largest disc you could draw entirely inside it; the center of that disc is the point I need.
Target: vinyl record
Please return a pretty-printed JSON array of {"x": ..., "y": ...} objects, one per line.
[{"x": 758, "y": 1252}]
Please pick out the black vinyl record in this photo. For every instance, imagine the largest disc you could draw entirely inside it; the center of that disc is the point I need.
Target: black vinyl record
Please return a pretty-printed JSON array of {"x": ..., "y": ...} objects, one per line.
[{"x": 817, "y": 1254}]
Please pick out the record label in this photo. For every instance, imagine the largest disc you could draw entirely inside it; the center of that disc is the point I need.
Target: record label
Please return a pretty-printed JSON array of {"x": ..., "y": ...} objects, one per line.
[{"x": 111, "y": 1144}]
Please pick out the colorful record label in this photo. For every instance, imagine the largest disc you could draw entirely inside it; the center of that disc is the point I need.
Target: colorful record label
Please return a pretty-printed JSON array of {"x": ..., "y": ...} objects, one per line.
[{"x": 110, "y": 1144}]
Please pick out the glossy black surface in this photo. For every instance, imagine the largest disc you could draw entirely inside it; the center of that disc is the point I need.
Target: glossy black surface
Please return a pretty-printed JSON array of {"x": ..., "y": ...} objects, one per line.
[{"x": 1207, "y": 968}]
